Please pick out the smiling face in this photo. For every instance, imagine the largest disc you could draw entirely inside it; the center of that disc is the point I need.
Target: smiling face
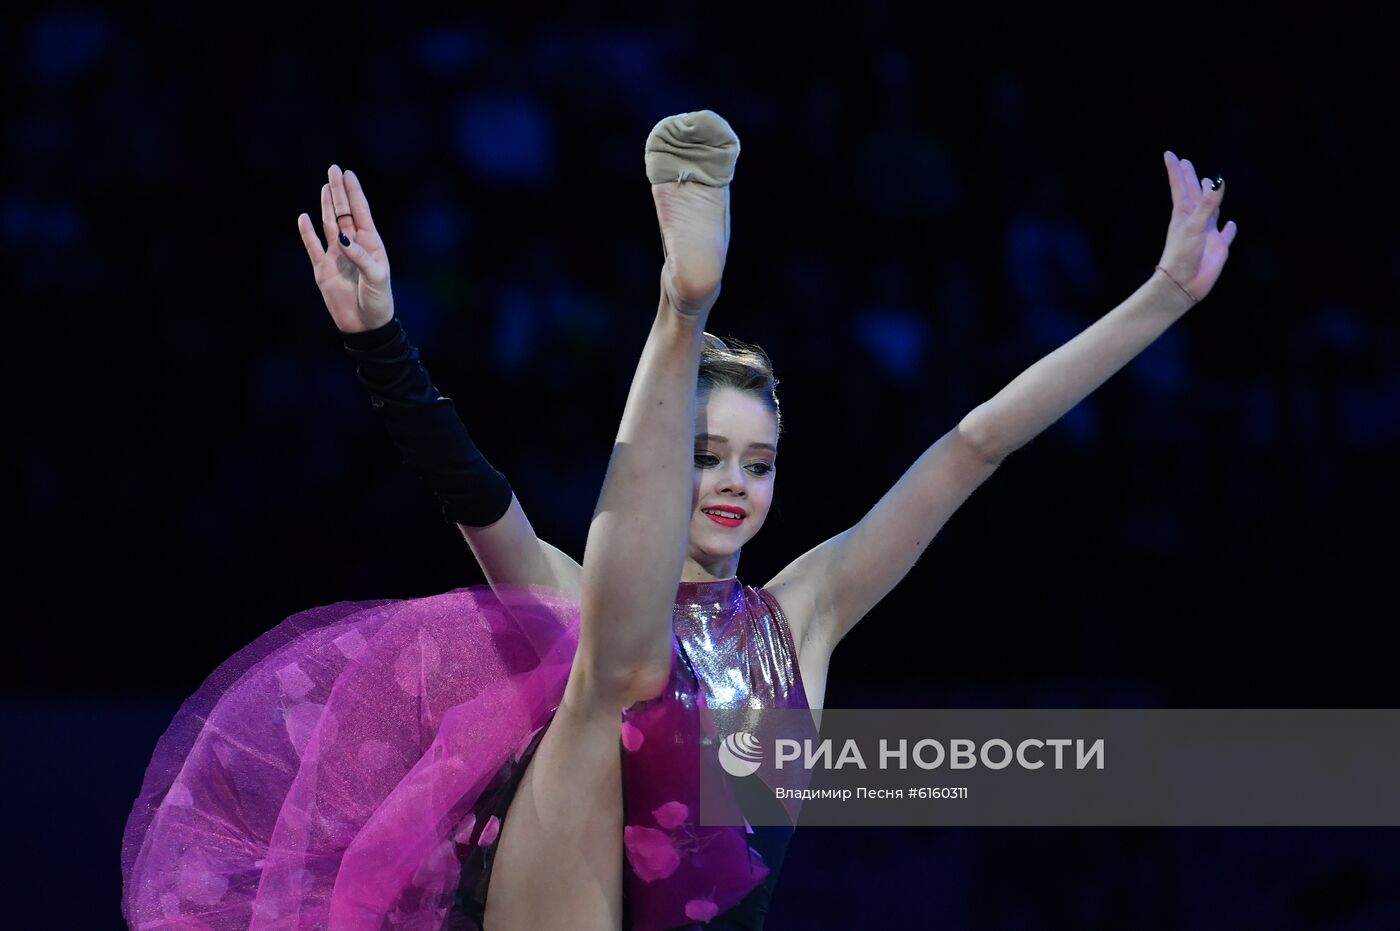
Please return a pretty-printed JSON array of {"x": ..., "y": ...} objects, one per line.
[{"x": 736, "y": 440}]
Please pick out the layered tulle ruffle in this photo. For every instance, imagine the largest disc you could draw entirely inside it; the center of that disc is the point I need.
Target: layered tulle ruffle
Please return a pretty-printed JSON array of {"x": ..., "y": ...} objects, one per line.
[{"x": 331, "y": 774}]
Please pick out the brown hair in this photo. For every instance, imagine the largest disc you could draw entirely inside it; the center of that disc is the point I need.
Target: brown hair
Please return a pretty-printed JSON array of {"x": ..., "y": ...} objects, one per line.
[{"x": 742, "y": 366}]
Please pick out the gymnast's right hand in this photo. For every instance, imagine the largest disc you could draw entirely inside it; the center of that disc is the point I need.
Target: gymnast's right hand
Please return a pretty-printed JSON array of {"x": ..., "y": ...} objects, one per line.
[{"x": 352, "y": 271}]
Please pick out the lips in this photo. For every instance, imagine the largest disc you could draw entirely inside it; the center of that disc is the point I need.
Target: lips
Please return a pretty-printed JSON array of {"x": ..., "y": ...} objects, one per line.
[{"x": 725, "y": 516}]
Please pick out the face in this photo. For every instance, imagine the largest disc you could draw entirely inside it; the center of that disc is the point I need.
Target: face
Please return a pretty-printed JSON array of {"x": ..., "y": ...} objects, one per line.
[{"x": 736, "y": 440}]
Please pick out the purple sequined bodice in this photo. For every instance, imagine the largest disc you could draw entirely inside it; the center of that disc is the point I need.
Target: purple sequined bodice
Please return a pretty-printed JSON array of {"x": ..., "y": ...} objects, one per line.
[
  {"x": 737, "y": 644},
  {"x": 731, "y": 649}
]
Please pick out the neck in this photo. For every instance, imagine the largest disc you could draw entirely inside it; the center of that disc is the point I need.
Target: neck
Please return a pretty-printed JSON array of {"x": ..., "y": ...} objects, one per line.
[{"x": 710, "y": 571}]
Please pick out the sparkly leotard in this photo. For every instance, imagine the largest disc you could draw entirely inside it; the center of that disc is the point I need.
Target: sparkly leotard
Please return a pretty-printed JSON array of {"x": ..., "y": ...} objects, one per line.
[
  {"x": 733, "y": 646},
  {"x": 733, "y": 642}
]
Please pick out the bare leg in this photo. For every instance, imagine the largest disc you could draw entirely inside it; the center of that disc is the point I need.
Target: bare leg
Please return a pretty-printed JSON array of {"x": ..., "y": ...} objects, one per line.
[{"x": 559, "y": 859}]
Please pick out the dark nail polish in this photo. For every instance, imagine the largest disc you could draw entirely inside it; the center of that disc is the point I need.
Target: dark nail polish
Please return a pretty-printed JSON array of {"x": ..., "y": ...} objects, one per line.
[
  {"x": 345, "y": 240},
  {"x": 1215, "y": 185}
]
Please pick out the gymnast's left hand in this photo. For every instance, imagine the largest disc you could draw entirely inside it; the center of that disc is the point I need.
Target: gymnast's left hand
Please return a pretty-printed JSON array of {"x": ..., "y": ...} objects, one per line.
[
  {"x": 352, "y": 270},
  {"x": 1196, "y": 250}
]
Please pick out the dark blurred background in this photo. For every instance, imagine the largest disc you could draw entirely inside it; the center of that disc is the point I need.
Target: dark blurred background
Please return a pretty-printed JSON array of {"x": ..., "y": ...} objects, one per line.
[{"x": 928, "y": 201}]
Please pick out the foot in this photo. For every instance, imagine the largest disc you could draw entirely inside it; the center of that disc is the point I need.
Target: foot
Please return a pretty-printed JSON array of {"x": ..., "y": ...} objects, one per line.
[{"x": 690, "y": 162}]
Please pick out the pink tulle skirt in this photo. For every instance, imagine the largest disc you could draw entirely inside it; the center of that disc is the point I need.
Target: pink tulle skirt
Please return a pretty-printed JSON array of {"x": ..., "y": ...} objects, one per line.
[{"x": 336, "y": 773}]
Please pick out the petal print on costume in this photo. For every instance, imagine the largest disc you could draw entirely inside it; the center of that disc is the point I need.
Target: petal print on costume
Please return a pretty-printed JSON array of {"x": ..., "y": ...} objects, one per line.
[
  {"x": 294, "y": 681},
  {"x": 671, "y": 815},
  {"x": 632, "y": 737},
  {"x": 352, "y": 645},
  {"x": 488, "y": 833},
  {"x": 652, "y": 854},
  {"x": 179, "y": 795},
  {"x": 701, "y": 909},
  {"x": 464, "y": 833},
  {"x": 301, "y": 722}
]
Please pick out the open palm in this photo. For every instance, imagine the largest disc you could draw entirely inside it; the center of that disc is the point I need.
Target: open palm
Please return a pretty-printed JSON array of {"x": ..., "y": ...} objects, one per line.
[
  {"x": 352, "y": 270},
  {"x": 1196, "y": 250}
]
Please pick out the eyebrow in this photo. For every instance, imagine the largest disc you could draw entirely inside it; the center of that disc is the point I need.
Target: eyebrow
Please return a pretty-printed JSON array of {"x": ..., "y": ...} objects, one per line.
[{"x": 720, "y": 439}]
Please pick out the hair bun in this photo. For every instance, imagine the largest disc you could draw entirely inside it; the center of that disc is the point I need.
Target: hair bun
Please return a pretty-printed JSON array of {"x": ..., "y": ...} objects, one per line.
[{"x": 712, "y": 341}]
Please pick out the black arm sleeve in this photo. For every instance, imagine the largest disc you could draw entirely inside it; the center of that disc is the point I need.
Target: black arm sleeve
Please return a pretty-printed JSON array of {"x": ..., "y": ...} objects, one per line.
[{"x": 426, "y": 428}]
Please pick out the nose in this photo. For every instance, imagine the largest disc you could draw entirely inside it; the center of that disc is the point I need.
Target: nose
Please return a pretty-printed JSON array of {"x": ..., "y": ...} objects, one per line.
[{"x": 732, "y": 480}]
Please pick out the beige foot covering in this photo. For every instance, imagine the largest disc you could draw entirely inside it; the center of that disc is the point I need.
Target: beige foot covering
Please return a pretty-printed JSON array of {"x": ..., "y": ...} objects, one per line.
[{"x": 697, "y": 146}]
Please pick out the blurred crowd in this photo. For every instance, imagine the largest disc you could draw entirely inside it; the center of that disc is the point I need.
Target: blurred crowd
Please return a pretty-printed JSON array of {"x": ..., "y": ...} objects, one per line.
[{"x": 904, "y": 246}]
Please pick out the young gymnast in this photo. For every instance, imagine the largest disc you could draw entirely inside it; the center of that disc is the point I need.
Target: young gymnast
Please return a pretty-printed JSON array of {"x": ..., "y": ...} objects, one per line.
[{"x": 389, "y": 764}]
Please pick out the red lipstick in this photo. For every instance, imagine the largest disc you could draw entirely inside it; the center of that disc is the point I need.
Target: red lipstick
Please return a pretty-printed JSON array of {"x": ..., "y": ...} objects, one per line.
[{"x": 728, "y": 516}]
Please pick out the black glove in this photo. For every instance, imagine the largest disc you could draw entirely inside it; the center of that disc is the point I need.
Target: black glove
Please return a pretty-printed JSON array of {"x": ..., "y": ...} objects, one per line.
[{"x": 426, "y": 428}]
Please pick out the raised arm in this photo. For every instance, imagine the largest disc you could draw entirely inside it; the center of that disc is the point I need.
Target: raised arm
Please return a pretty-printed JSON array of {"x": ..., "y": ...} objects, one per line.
[
  {"x": 352, "y": 272},
  {"x": 830, "y": 588}
]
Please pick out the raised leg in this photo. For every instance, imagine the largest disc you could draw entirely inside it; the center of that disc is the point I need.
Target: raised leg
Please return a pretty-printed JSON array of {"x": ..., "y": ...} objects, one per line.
[{"x": 559, "y": 859}]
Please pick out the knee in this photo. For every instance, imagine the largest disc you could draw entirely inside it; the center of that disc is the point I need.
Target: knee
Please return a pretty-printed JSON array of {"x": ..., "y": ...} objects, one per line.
[
  {"x": 625, "y": 689},
  {"x": 602, "y": 686},
  {"x": 644, "y": 685}
]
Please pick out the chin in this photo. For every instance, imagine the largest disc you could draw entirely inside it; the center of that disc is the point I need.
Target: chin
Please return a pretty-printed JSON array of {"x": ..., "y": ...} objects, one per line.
[{"x": 717, "y": 549}]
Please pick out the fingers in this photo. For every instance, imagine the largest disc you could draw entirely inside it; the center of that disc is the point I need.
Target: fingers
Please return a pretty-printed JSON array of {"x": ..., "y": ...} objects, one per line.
[
  {"x": 1198, "y": 196},
  {"x": 359, "y": 205},
  {"x": 1174, "y": 176},
  {"x": 1211, "y": 196},
  {"x": 1186, "y": 190},
  {"x": 328, "y": 224},
  {"x": 309, "y": 240},
  {"x": 1207, "y": 214},
  {"x": 340, "y": 201},
  {"x": 1188, "y": 176},
  {"x": 370, "y": 270}
]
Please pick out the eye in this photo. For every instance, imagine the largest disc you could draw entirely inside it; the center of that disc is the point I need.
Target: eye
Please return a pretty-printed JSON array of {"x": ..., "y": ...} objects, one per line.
[
  {"x": 705, "y": 460},
  {"x": 761, "y": 468}
]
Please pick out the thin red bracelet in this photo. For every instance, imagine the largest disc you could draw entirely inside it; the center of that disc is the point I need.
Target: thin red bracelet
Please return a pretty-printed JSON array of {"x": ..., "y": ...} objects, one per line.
[{"x": 1194, "y": 299}]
